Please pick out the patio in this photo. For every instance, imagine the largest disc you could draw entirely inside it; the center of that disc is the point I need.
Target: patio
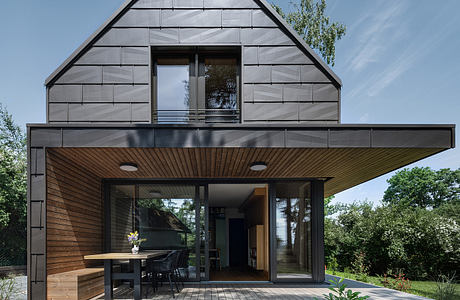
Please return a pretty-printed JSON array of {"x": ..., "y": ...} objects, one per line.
[{"x": 260, "y": 291}]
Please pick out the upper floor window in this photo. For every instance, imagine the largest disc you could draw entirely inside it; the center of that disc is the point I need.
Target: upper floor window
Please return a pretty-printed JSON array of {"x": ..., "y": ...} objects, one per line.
[{"x": 199, "y": 86}]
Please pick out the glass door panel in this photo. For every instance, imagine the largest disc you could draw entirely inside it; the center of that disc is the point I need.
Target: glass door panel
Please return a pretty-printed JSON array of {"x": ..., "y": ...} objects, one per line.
[
  {"x": 122, "y": 217},
  {"x": 293, "y": 230}
]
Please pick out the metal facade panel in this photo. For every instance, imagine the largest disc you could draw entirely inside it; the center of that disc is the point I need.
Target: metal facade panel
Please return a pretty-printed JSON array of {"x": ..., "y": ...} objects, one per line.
[
  {"x": 38, "y": 243},
  {"x": 37, "y": 218},
  {"x": 282, "y": 55},
  {"x": 37, "y": 289},
  {"x": 325, "y": 92},
  {"x": 65, "y": 93},
  {"x": 306, "y": 138},
  {"x": 298, "y": 92},
  {"x": 230, "y": 3},
  {"x": 236, "y": 18},
  {"x": 99, "y": 112},
  {"x": 188, "y": 3},
  {"x": 176, "y": 138},
  {"x": 271, "y": 111},
  {"x": 118, "y": 74},
  {"x": 241, "y": 138},
  {"x": 257, "y": 74},
  {"x": 349, "y": 138},
  {"x": 153, "y": 4},
  {"x": 264, "y": 36},
  {"x": 98, "y": 93},
  {"x": 318, "y": 111},
  {"x": 286, "y": 73},
  {"x": 250, "y": 55},
  {"x": 311, "y": 73},
  {"x": 268, "y": 92},
  {"x": 82, "y": 74},
  {"x": 37, "y": 273},
  {"x": 140, "y": 18},
  {"x": 113, "y": 137},
  {"x": 191, "y": 18},
  {"x": 131, "y": 93},
  {"x": 412, "y": 138},
  {"x": 49, "y": 137},
  {"x": 164, "y": 36},
  {"x": 141, "y": 74},
  {"x": 140, "y": 112},
  {"x": 37, "y": 187},
  {"x": 260, "y": 19},
  {"x": 125, "y": 37},
  {"x": 101, "y": 56},
  {"x": 209, "y": 35},
  {"x": 135, "y": 55},
  {"x": 58, "y": 111},
  {"x": 248, "y": 92}
]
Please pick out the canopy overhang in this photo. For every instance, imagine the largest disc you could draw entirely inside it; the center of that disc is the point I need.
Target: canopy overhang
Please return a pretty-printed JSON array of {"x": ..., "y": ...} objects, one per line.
[{"x": 342, "y": 155}]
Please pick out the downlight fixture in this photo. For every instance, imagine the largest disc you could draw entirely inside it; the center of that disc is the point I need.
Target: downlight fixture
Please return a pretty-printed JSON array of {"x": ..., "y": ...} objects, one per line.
[
  {"x": 258, "y": 166},
  {"x": 128, "y": 167}
]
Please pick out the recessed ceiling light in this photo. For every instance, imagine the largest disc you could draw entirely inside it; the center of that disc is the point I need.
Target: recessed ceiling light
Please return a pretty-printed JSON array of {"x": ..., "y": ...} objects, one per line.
[
  {"x": 155, "y": 194},
  {"x": 128, "y": 166},
  {"x": 258, "y": 166}
]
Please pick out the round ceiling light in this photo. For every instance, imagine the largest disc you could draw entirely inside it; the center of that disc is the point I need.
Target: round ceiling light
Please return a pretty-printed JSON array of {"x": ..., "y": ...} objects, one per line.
[
  {"x": 258, "y": 166},
  {"x": 128, "y": 166},
  {"x": 155, "y": 194}
]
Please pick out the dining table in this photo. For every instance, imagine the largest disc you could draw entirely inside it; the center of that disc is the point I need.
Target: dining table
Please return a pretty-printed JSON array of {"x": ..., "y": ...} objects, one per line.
[{"x": 134, "y": 259}]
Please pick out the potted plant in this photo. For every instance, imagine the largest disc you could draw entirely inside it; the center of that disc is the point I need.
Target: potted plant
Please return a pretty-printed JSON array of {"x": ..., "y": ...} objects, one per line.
[{"x": 134, "y": 239}]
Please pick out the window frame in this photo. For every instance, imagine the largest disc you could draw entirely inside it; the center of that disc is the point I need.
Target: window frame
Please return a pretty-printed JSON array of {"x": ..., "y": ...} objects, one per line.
[{"x": 196, "y": 56}]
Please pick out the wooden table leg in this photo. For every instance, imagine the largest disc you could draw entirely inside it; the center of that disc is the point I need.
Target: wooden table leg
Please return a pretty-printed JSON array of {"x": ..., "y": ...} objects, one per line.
[
  {"x": 108, "y": 284},
  {"x": 137, "y": 279}
]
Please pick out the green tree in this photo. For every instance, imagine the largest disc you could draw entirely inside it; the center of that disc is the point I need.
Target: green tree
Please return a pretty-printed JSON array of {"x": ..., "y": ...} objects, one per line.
[
  {"x": 13, "y": 191},
  {"x": 423, "y": 187},
  {"x": 309, "y": 20}
]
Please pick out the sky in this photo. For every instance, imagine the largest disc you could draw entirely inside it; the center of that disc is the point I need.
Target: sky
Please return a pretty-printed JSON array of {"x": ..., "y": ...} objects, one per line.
[{"x": 399, "y": 62}]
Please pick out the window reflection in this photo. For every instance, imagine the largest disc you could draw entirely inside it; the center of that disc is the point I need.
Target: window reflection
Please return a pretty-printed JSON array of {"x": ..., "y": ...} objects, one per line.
[
  {"x": 293, "y": 230},
  {"x": 173, "y": 90},
  {"x": 121, "y": 216}
]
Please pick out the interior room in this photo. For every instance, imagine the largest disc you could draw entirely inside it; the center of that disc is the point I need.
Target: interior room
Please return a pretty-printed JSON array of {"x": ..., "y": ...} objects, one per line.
[{"x": 238, "y": 232}]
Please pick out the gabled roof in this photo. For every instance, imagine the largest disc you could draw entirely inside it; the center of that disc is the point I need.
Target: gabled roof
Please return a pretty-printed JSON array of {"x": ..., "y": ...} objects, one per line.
[{"x": 127, "y": 4}]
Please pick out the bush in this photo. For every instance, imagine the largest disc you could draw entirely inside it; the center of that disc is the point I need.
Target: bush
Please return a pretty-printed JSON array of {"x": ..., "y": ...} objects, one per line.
[
  {"x": 397, "y": 282},
  {"x": 7, "y": 288},
  {"x": 340, "y": 292},
  {"x": 445, "y": 287}
]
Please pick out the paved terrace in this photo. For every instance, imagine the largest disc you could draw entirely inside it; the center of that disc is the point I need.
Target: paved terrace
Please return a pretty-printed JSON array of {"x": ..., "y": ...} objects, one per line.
[{"x": 260, "y": 291}]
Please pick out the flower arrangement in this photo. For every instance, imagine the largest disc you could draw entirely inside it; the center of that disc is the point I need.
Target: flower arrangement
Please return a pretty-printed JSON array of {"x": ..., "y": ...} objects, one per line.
[{"x": 134, "y": 239}]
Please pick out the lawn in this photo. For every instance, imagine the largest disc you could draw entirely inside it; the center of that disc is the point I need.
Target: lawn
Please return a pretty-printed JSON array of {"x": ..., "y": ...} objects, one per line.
[{"x": 421, "y": 288}]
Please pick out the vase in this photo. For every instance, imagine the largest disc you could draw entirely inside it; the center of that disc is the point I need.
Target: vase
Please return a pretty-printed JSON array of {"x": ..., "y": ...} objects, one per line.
[{"x": 135, "y": 249}]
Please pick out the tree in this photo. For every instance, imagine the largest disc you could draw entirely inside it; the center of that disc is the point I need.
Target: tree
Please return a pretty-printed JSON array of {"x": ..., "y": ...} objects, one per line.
[
  {"x": 309, "y": 20},
  {"x": 423, "y": 187},
  {"x": 13, "y": 191}
]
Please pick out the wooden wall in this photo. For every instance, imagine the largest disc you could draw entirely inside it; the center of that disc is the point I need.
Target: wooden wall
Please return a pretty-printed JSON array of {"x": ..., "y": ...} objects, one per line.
[{"x": 74, "y": 215}]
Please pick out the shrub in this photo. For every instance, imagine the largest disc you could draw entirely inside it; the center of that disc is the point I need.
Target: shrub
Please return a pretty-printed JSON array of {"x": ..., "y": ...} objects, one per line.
[
  {"x": 7, "y": 288},
  {"x": 445, "y": 287},
  {"x": 397, "y": 282},
  {"x": 341, "y": 293}
]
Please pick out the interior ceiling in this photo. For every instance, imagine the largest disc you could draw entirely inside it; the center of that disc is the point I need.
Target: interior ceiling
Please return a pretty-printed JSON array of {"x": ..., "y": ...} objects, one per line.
[
  {"x": 346, "y": 167},
  {"x": 230, "y": 195}
]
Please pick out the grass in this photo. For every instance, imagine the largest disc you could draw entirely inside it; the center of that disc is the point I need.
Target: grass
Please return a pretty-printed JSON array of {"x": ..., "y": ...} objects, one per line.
[{"x": 420, "y": 288}]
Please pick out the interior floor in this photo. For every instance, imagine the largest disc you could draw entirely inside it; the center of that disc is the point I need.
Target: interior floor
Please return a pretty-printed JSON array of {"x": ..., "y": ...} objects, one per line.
[{"x": 238, "y": 274}]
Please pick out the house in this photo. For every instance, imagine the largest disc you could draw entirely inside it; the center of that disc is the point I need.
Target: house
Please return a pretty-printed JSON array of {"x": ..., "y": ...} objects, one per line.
[{"x": 220, "y": 117}]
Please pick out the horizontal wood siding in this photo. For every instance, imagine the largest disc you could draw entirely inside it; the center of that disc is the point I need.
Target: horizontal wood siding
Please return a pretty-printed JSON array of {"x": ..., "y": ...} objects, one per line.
[
  {"x": 74, "y": 215},
  {"x": 110, "y": 82}
]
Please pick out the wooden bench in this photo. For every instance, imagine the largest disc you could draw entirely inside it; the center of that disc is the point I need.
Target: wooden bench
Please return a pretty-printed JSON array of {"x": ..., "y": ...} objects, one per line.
[{"x": 80, "y": 284}]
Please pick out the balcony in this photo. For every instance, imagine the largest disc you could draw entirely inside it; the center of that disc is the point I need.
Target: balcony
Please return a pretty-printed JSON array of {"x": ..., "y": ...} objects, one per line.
[{"x": 209, "y": 116}]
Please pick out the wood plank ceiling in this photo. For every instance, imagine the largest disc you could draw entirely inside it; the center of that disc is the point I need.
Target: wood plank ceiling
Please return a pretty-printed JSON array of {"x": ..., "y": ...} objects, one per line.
[{"x": 345, "y": 167}]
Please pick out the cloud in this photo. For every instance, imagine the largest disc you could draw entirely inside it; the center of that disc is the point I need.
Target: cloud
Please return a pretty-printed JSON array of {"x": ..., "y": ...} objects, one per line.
[{"x": 423, "y": 43}]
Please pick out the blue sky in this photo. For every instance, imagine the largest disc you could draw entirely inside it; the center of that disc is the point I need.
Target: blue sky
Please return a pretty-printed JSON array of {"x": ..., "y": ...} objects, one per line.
[{"x": 399, "y": 62}]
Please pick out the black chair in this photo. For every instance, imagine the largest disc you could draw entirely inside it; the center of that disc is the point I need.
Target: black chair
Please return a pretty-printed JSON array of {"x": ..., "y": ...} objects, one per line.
[
  {"x": 182, "y": 265},
  {"x": 164, "y": 268}
]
